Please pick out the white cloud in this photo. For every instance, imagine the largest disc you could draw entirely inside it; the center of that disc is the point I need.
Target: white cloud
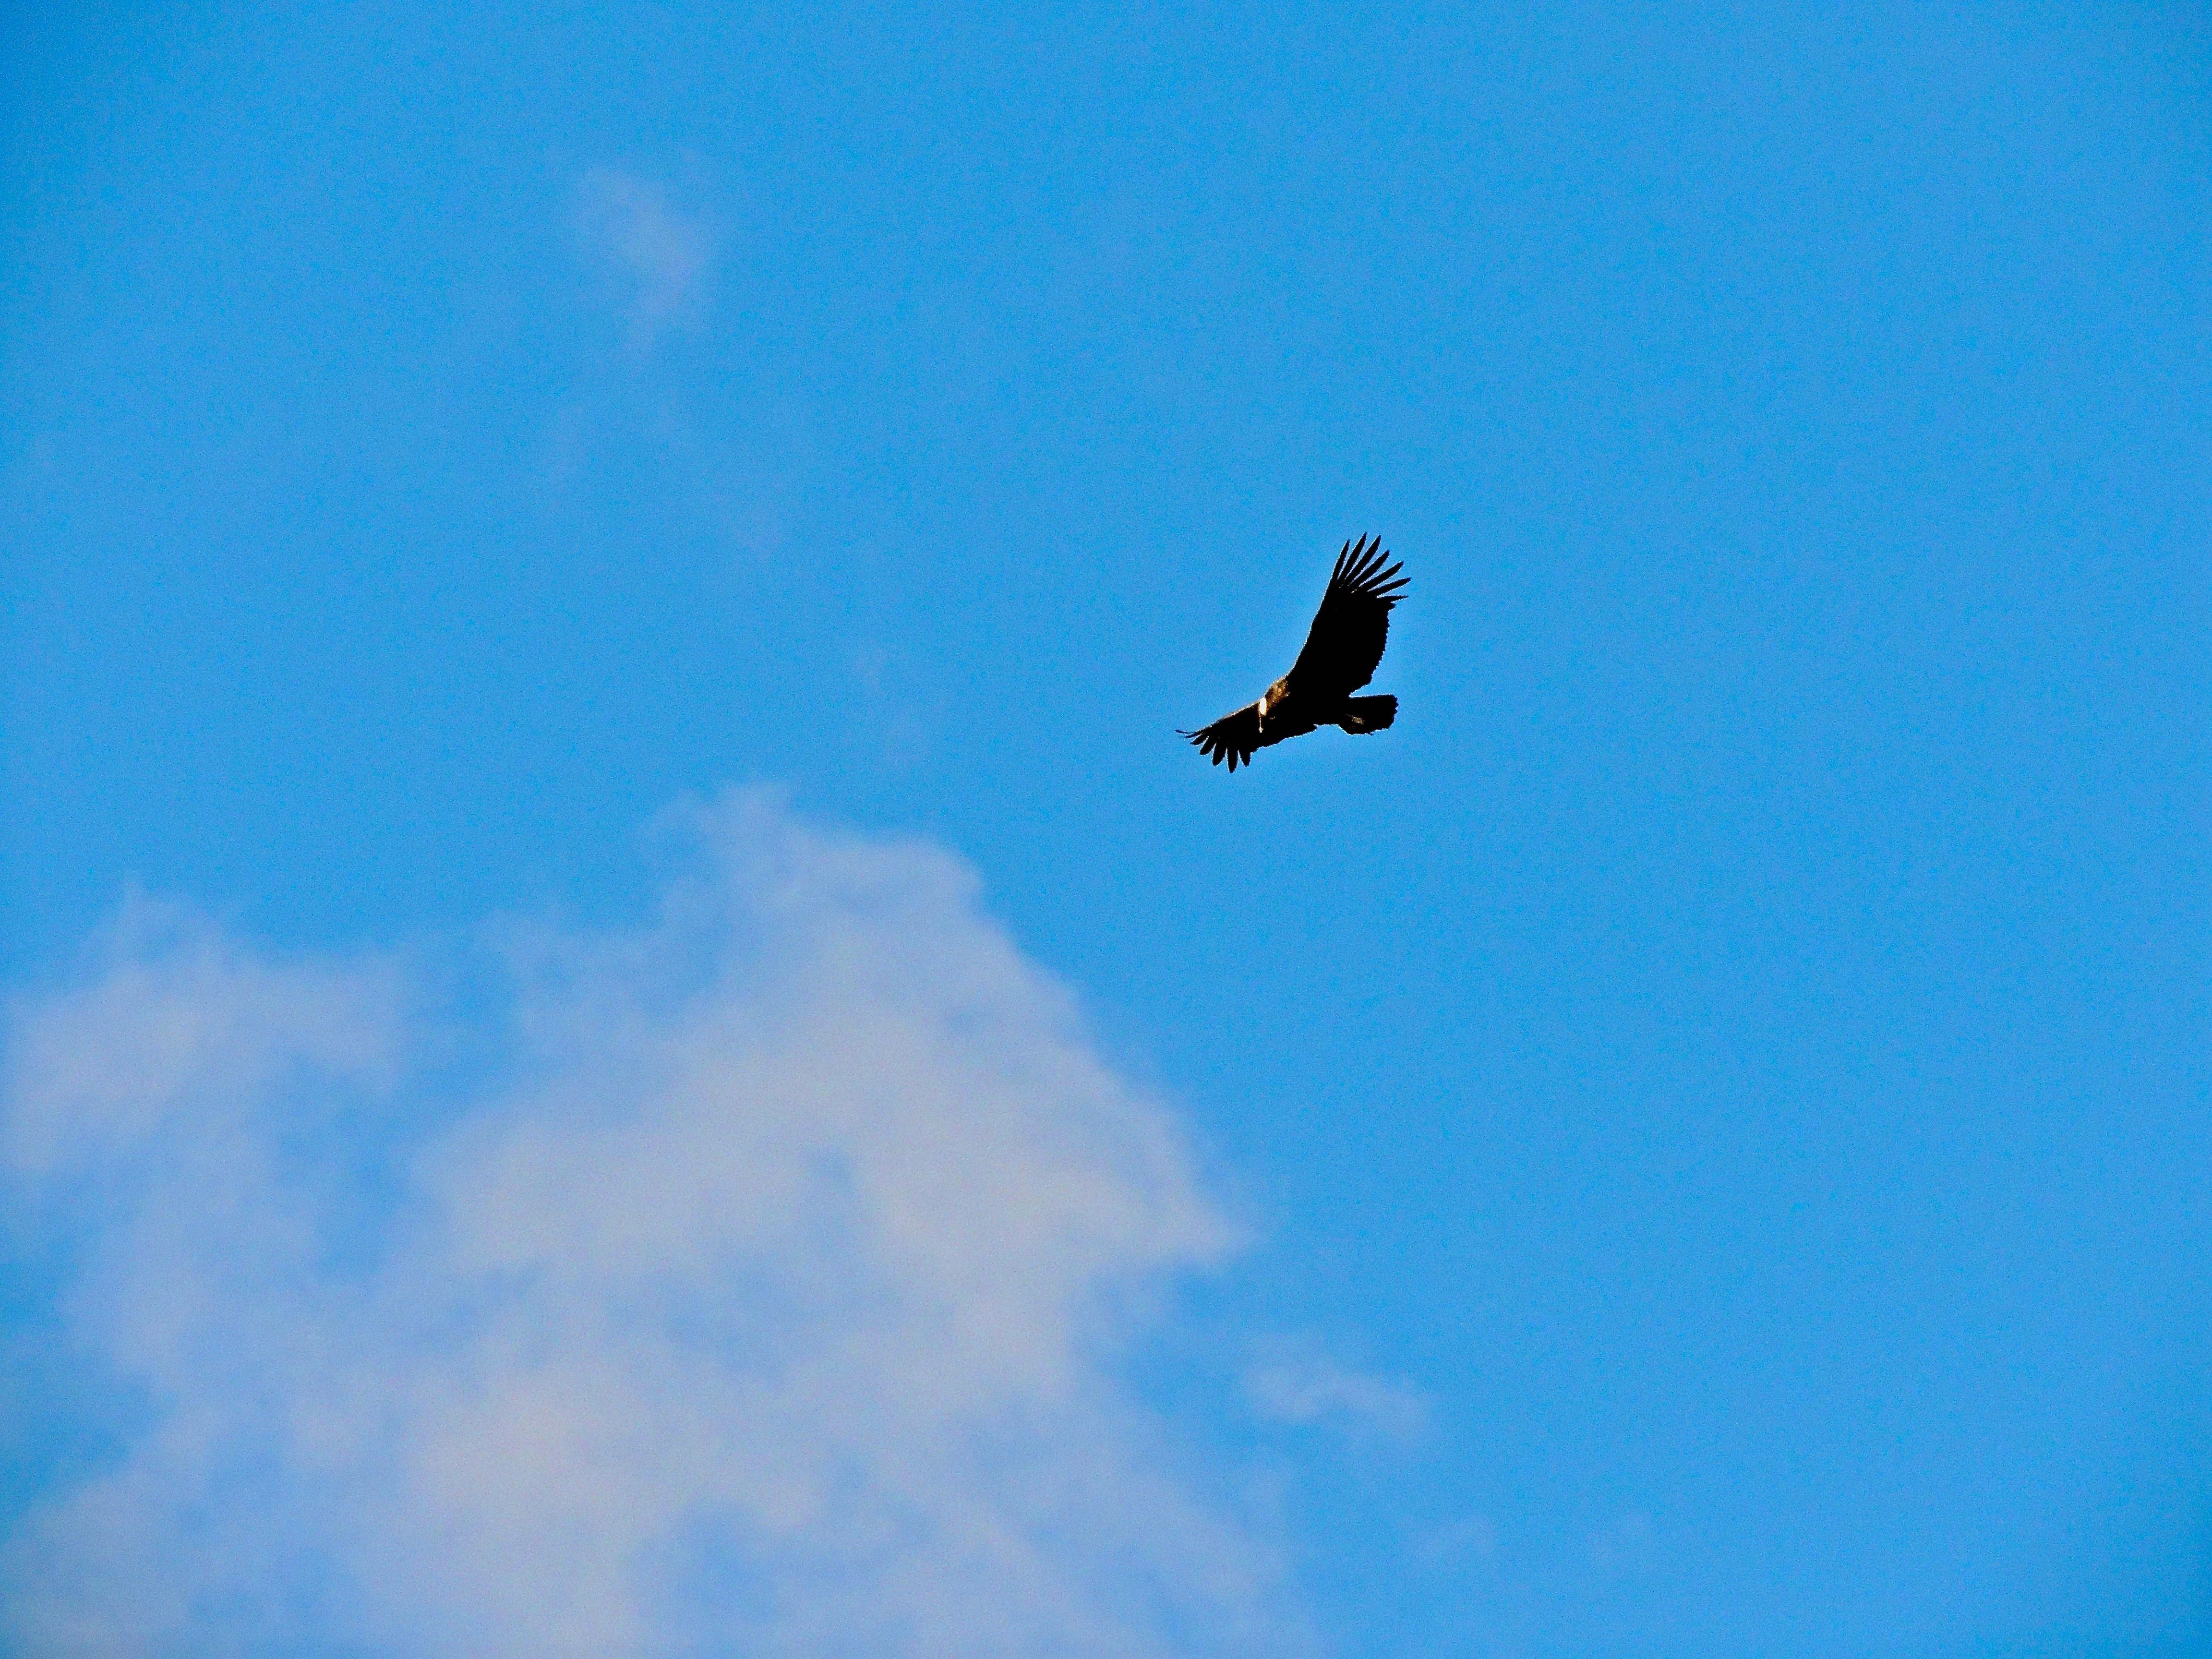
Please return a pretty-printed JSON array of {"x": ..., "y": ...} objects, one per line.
[
  {"x": 1301, "y": 1385},
  {"x": 769, "y": 1304},
  {"x": 662, "y": 257},
  {"x": 178, "y": 1024}
]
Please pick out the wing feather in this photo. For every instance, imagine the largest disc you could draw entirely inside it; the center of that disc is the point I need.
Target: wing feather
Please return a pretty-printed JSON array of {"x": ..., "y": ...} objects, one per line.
[
  {"x": 1232, "y": 738},
  {"x": 1345, "y": 645}
]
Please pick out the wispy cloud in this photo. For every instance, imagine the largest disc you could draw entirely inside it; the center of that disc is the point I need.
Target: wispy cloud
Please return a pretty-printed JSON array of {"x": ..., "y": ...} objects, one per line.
[
  {"x": 661, "y": 256},
  {"x": 1299, "y": 1385},
  {"x": 771, "y": 1299}
]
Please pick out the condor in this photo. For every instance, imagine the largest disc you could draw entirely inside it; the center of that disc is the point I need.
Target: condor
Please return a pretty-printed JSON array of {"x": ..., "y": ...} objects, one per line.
[{"x": 1341, "y": 652}]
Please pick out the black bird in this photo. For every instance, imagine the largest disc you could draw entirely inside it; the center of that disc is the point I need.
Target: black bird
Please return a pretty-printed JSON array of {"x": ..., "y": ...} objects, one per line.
[{"x": 1347, "y": 641}]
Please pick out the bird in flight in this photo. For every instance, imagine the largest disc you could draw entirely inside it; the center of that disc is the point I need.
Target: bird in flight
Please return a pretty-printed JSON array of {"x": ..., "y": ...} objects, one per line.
[{"x": 1347, "y": 641}]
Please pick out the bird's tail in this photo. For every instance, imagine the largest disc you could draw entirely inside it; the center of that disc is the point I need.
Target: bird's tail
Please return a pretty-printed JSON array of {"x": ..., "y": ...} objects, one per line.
[{"x": 1368, "y": 713}]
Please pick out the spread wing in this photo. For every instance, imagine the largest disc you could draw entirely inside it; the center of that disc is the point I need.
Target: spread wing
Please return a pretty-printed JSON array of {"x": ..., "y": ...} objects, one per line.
[
  {"x": 1351, "y": 626},
  {"x": 1232, "y": 738}
]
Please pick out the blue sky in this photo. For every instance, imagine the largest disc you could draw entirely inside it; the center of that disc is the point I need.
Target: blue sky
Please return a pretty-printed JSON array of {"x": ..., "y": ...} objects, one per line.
[{"x": 598, "y": 872}]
